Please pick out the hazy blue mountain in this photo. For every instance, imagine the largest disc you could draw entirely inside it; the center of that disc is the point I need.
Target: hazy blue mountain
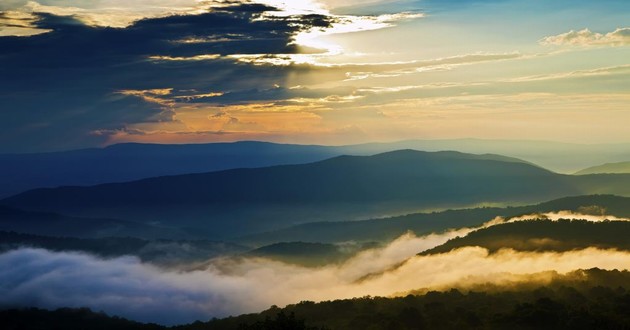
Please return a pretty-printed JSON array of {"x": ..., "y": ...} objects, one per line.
[
  {"x": 615, "y": 184},
  {"x": 555, "y": 156},
  {"x": 380, "y": 230},
  {"x": 242, "y": 201},
  {"x": 609, "y": 168},
  {"x": 133, "y": 161},
  {"x": 309, "y": 254},
  {"x": 52, "y": 224},
  {"x": 545, "y": 235},
  {"x": 385, "y": 229}
]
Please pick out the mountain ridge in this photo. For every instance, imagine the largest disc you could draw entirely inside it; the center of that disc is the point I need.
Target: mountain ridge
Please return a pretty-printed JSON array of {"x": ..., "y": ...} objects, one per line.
[
  {"x": 133, "y": 161},
  {"x": 608, "y": 168},
  {"x": 385, "y": 229},
  {"x": 256, "y": 199},
  {"x": 540, "y": 235}
]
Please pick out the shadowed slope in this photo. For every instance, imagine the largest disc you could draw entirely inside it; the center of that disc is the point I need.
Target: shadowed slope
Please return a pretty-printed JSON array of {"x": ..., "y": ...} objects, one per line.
[{"x": 249, "y": 200}]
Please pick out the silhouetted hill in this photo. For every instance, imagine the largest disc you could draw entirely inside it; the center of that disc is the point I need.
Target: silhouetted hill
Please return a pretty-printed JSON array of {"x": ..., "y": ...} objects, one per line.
[
  {"x": 380, "y": 230},
  {"x": 308, "y": 254},
  {"x": 133, "y": 161},
  {"x": 610, "y": 168},
  {"x": 386, "y": 229},
  {"x": 556, "y": 156},
  {"x": 583, "y": 299},
  {"x": 614, "y": 184},
  {"x": 545, "y": 235},
  {"x": 67, "y": 319},
  {"x": 588, "y": 204},
  {"x": 52, "y": 224},
  {"x": 244, "y": 201}
]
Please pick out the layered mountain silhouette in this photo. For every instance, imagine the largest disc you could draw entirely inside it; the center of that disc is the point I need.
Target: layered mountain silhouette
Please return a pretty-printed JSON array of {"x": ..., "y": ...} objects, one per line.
[
  {"x": 243, "y": 201},
  {"x": 386, "y": 229},
  {"x": 133, "y": 161},
  {"x": 53, "y": 224}
]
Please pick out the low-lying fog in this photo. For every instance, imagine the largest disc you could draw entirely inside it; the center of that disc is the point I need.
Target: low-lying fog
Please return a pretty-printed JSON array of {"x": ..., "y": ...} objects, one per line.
[{"x": 221, "y": 287}]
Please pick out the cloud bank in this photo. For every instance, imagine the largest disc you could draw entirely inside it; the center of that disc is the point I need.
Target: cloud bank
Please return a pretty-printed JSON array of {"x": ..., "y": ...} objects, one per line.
[{"x": 129, "y": 288}]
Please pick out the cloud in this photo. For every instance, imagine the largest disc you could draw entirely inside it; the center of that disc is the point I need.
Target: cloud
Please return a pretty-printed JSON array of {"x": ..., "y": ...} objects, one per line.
[
  {"x": 439, "y": 64},
  {"x": 221, "y": 287},
  {"x": 607, "y": 71},
  {"x": 112, "y": 13},
  {"x": 120, "y": 286},
  {"x": 84, "y": 73},
  {"x": 586, "y": 37},
  {"x": 350, "y": 24},
  {"x": 62, "y": 86},
  {"x": 128, "y": 288},
  {"x": 16, "y": 23}
]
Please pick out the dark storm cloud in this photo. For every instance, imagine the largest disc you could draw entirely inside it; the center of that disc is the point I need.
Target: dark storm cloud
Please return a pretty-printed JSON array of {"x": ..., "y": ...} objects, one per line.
[
  {"x": 58, "y": 88},
  {"x": 227, "y": 30}
]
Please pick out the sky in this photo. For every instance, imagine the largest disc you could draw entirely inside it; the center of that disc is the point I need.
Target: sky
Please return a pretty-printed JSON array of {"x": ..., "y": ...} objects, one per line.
[{"x": 85, "y": 73}]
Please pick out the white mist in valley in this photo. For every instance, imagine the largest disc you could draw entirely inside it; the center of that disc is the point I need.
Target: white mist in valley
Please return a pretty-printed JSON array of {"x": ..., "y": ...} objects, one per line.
[{"x": 129, "y": 288}]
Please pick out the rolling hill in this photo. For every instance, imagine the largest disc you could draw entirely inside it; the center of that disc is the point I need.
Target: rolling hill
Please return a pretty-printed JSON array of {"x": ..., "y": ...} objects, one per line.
[
  {"x": 610, "y": 168},
  {"x": 134, "y": 161},
  {"x": 52, "y": 224},
  {"x": 386, "y": 229},
  {"x": 545, "y": 235},
  {"x": 308, "y": 254},
  {"x": 244, "y": 201}
]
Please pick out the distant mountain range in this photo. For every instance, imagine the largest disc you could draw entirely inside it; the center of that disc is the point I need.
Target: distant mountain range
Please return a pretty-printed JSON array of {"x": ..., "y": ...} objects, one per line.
[
  {"x": 242, "y": 201},
  {"x": 317, "y": 244},
  {"x": 611, "y": 168},
  {"x": 133, "y": 161}
]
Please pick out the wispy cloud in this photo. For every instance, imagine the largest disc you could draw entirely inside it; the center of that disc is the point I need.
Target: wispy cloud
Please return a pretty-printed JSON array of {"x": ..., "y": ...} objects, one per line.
[
  {"x": 616, "y": 70},
  {"x": 439, "y": 64}
]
